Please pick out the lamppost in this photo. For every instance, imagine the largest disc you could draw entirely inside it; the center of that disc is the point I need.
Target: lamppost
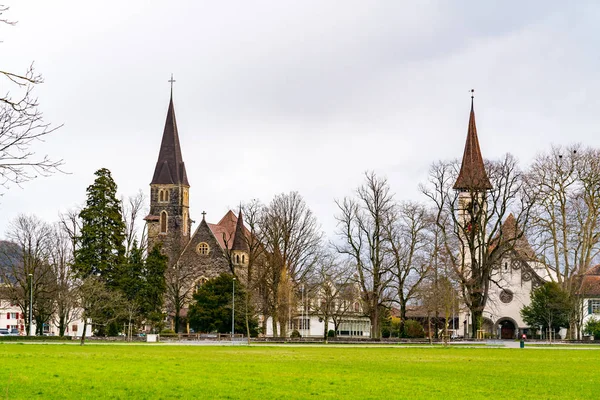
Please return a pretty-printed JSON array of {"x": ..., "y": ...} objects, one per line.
[
  {"x": 232, "y": 308},
  {"x": 302, "y": 301},
  {"x": 30, "y": 303}
]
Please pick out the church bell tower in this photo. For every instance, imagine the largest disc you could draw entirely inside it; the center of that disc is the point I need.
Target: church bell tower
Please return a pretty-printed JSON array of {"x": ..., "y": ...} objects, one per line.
[
  {"x": 169, "y": 219},
  {"x": 472, "y": 184}
]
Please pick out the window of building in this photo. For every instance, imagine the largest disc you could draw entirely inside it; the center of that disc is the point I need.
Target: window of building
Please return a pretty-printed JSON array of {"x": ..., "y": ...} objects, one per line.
[
  {"x": 161, "y": 195},
  {"x": 14, "y": 315},
  {"x": 203, "y": 249},
  {"x": 237, "y": 259},
  {"x": 185, "y": 223},
  {"x": 594, "y": 307},
  {"x": 163, "y": 222},
  {"x": 243, "y": 258},
  {"x": 167, "y": 195},
  {"x": 200, "y": 282},
  {"x": 74, "y": 328}
]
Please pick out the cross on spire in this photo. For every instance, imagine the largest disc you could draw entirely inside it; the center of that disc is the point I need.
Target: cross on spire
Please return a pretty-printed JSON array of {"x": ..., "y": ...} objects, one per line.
[
  {"x": 171, "y": 81},
  {"x": 203, "y": 214}
]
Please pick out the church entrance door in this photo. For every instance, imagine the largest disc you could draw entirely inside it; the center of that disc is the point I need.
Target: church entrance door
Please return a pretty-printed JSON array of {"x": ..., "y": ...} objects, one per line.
[{"x": 508, "y": 330}]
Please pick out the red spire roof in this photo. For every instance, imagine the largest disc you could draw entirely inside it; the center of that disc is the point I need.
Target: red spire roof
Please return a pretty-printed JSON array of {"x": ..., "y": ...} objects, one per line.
[
  {"x": 170, "y": 168},
  {"x": 472, "y": 174}
]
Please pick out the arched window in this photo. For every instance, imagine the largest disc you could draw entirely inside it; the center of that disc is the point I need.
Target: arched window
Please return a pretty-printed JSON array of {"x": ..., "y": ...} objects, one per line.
[
  {"x": 161, "y": 195},
  {"x": 163, "y": 222},
  {"x": 167, "y": 192},
  {"x": 200, "y": 282},
  {"x": 243, "y": 258},
  {"x": 185, "y": 223},
  {"x": 203, "y": 249},
  {"x": 237, "y": 259}
]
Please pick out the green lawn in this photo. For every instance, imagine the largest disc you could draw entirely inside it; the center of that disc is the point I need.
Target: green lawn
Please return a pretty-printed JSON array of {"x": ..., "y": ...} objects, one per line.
[{"x": 68, "y": 371}]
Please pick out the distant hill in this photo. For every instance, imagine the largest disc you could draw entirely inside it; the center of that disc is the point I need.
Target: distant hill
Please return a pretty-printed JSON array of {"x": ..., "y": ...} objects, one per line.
[{"x": 10, "y": 255}]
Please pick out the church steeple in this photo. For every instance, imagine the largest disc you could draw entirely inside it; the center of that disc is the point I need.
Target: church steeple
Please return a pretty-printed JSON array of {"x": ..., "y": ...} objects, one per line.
[
  {"x": 170, "y": 168},
  {"x": 472, "y": 174},
  {"x": 169, "y": 219}
]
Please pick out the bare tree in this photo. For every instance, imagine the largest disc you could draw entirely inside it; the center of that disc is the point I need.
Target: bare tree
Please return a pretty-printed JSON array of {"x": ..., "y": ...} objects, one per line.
[
  {"x": 99, "y": 304},
  {"x": 29, "y": 274},
  {"x": 256, "y": 265},
  {"x": 361, "y": 225},
  {"x": 408, "y": 247},
  {"x": 470, "y": 223},
  {"x": 179, "y": 288},
  {"x": 292, "y": 239},
  {"x": 21, "y": 125},
  {"x": 133, "y": 208},
  {"x": 325, "y": 288},
  {"x": 61, "y": 260},
  {"x": 566, "y": 218}
]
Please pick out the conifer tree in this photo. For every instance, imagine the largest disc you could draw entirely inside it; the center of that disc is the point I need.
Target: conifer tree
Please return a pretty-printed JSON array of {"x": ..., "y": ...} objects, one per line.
[
  {"x": 152, "y": 295},
  {"x": 101, "y": 247}
]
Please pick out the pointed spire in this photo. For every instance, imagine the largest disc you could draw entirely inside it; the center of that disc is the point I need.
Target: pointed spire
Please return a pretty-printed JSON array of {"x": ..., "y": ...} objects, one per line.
[
  {"x": 170, "y": 168},
  {"x": 239, "y": 240},
  {"x": 472, "y": 174}
]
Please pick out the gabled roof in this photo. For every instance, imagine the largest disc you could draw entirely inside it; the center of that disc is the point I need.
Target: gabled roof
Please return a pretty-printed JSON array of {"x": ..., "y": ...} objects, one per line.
[
  {"x": 590, "y": 284},
  {"x": 472, "y": 174},
  {"x": 225, "y": 230},
  {"x": 170, "y": 168}
]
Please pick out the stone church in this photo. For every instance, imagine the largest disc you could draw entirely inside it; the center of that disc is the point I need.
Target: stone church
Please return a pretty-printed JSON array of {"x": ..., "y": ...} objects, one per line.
[{"x": 211, "y": 249}]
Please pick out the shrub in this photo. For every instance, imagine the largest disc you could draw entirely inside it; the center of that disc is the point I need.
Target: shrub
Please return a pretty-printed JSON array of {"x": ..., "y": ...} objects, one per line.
[
  {"x": 592, "y": 327},
  {"x": 331, "y": 333},
  {"x": 385, "y": 332},
  {"x": 413, "y": 329},
  {"x": 295, "y": 334},
  {"x": 168, "y": 333}
]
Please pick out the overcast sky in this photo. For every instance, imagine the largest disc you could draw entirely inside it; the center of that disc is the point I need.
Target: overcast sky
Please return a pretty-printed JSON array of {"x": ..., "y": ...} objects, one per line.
[{"x": 275, "y": 96}]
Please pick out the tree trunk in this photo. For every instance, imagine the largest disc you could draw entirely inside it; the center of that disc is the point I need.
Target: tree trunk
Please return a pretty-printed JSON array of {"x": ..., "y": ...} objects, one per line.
[
  {"x": 274, "y": 323},
  {"x": 177, "y": 311},
  {"x": 61, "y": 326},
  {"x": 82, "y": 341},
  {"x": 247, "y": 300}
]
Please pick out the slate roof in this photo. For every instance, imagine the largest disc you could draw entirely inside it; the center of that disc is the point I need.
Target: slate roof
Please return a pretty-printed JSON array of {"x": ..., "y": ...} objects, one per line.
[
  {"x": 170, "y": 168},
  {"x": 472, "y": 174},
  {"x": 239, "y": 240}
]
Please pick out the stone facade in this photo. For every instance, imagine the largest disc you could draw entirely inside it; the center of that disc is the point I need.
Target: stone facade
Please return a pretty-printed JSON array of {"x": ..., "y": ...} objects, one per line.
[{"x": 212, "y": 249}]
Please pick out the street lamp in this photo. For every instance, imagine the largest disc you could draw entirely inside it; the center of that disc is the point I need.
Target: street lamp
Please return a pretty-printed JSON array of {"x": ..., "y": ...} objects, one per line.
[
  {"x": 232, "y": 309},
  {"x": 30, "y": 303},
  {"x": 302, "y": 320}
]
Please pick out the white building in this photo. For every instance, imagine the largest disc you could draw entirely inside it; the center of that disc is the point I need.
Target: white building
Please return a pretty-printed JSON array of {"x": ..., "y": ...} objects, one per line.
[
  {"x": 590, "y": 294},
  {"x": 11, "y": 317}
]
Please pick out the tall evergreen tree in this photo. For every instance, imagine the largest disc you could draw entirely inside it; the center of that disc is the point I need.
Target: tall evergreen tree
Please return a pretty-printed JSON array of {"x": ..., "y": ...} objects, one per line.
[
  {"x": 101, "y": 247},
  {"x": 152, "y": 295}
]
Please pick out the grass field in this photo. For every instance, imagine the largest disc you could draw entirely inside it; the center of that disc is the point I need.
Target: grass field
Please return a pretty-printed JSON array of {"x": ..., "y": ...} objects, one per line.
[{"x": 67, "y": 371}]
